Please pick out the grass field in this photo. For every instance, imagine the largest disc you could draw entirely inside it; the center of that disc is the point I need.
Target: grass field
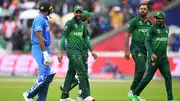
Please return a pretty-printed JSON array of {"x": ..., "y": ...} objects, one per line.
[{"x": 11, "y": 89}]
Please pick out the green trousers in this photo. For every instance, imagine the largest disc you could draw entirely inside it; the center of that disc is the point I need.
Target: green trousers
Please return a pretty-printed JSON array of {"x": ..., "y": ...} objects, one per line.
[
  {"x": 163, "y": 65},
  {"x": 140, "y": 67},
  {"x": 76, "y": 67}
]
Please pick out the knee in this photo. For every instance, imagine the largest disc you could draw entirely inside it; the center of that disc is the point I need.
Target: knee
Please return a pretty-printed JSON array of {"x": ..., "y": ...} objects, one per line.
[{"x": 82, "y": 75}]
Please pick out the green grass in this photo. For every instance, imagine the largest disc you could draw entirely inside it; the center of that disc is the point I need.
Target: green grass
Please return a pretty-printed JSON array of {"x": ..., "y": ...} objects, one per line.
[{"x": 11, "y": 89}]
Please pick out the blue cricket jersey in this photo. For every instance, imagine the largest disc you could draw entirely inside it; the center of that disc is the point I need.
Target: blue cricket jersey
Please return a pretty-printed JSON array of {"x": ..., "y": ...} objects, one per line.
[{"x": 40, "y": 23}]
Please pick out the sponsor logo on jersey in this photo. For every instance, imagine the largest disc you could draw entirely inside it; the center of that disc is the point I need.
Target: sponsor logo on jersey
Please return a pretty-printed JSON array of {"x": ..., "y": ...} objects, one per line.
[
  {"x": 161, "y": 39},
  {"x": 143, "y": 30},
  {"x": 47, "y": 28},
  {"x": 78, "y": 33}
]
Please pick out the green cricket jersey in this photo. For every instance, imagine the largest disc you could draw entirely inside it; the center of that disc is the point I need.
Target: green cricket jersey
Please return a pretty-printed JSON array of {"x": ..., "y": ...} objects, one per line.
[
  {"x": 87, "y": 39},
  {"x": 139, "y": 29},
  {"x": 156, "y": 41},
  {"x": 74, "y": 35}
]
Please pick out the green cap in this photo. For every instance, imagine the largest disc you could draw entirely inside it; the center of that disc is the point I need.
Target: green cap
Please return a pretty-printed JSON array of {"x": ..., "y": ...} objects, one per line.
[
  {"x": 160, "y": 15},
  {"x": 80, "y": 8},
  {"x": 86, "y": 14}
]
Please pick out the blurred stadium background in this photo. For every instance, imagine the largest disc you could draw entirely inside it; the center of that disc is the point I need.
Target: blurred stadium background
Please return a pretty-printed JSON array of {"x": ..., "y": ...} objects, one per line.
[{"x": 110, "y": 74}]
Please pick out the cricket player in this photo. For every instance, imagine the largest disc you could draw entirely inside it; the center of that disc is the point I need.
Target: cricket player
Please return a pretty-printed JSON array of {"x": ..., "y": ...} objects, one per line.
[
  {"x": 86, "y": 18},
  {"x": 41, "y": 52},
  {"x": 156, "y": 45},
  {"x": 75, "y": 37},
  {"x": 138, "y": 28}
]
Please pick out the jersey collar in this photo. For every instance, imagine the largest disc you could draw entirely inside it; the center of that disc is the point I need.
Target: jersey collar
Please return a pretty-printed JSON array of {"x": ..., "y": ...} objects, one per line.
[{"x": 142, "y": 19}]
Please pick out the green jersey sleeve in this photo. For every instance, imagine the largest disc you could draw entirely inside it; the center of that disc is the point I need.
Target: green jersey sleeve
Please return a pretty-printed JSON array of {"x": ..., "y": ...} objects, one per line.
[
  {"x": 65, "y": 33},
  {"x": 87, "y": 38},
  {"x": 131, "y": 25},
  {"x": 148, "y": 41}
]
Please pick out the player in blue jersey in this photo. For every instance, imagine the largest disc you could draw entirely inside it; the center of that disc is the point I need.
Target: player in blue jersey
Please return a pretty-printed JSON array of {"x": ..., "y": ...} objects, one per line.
[{"x": 40, "y": 41}]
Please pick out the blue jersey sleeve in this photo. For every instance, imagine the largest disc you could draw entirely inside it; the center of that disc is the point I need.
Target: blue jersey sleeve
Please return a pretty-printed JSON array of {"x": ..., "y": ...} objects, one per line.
[{"x": 38, "y": 24}]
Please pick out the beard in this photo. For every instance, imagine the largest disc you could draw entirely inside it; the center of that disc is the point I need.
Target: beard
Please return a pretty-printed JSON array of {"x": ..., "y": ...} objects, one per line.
[
  {"x": 143, "y": 14},
  {"x": 78, "y": 18},
  {"x": 88, "y": 21}
]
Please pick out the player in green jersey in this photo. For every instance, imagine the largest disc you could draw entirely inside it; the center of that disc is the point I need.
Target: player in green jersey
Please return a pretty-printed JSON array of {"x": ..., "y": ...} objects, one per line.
[
  {"x": 156, "y": 45},
  {"x": 138, "y": 27},
  {"x": 75, "y": 37},
  {"x": 86, "y": 18}
]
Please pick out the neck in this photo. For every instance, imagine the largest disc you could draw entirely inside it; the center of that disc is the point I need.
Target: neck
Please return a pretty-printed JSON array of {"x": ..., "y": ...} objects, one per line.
[
  {"x": 44, "y": 13},
  {"x": 144, "y": 17}
]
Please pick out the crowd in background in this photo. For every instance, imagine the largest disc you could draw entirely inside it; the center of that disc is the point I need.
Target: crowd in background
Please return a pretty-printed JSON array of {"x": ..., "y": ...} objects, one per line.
[{"x": 107, "y": 15}]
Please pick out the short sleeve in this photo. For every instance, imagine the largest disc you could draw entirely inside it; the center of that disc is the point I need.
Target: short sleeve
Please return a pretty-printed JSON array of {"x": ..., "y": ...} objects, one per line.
[
  {"x": 38, "y": 24},
  {"x": 131, "y": 26}
]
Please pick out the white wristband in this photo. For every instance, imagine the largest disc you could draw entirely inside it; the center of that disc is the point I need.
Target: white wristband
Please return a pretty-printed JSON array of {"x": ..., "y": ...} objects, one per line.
[{"x": 45, "y": 54}]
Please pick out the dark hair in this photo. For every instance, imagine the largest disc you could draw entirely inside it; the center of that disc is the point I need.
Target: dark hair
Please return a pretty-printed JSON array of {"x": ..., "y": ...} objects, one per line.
[{"x": 145, "y": 4}]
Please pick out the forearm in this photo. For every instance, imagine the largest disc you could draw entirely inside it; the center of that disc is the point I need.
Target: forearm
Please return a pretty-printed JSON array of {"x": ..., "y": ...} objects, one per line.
[
  {"x": 62, "y": 43},
  {"x": 87, "y": 40},
  {"x": 41, "y": 41},
  {"x": 126, "y": 41},
  {"x": 147, "y": 45}
]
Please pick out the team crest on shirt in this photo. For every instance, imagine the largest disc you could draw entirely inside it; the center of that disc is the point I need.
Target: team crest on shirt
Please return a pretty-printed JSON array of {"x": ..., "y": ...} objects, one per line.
[
  {"x": 140, "y": 23},
  {"x": 166, "y": 31},
  {"x": 158, "y": 31},
  {"x": 153, "y": 63},
  {"x": 76, "y": 26},
  {"x": 139, "y": 55},
  {"x": 148, "y": 23}
]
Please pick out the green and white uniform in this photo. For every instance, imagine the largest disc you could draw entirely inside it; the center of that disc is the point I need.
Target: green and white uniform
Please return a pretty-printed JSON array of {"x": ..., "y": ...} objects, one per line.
[
  {"x": 139, "y": 29},
  {"x": 75, "y": 41},
  {"x": 156, "y": 43}
]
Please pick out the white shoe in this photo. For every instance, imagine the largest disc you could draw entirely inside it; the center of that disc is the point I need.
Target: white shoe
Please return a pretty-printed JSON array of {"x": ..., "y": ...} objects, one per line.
[
  {"x": 79, "y": 99},
  {"x": 130, "y": 93},
  {"x": 140, "y": 99},
  {"x": 67, "y": 99},
  {"x": 25, "y": 97},
  {"x": 89, "y": 98}
]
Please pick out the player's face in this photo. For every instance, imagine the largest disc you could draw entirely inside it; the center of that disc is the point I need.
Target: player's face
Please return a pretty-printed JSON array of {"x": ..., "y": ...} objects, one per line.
[
  {"x": 78, "y": 14},
  {"x": 88, "y": 20},
  {"x": 159, "y": 20},
  {"x": 143, "y": 10}
]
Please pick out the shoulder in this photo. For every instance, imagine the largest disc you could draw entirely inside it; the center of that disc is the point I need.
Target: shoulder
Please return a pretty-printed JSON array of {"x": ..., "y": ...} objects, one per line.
[
  {"x": 68, "y": 23},
  {"x": 39, "y": 17},
  {"x": 134, "y": 20}
]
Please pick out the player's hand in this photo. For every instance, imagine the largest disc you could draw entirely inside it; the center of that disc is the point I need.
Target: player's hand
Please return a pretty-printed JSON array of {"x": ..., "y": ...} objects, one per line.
[
  {"x": 94, "y": 55},
  {"x": 60, "y": 56},
  {"x": 153, "y": 57},
  {"x": 47, "y": 58},
  {"x": 127, "y": 55}
]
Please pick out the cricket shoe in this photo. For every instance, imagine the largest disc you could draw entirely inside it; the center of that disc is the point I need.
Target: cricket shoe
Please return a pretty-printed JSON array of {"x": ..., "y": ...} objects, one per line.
[
  {"x": 89, "y": 98},
  {"x": 130, "y": 93},
  {"x": 25, "y": 94},
  {"x": 140, "y": 99},
  {"x": 133, "y": 98},
  {"x": 67, "y": 99}
]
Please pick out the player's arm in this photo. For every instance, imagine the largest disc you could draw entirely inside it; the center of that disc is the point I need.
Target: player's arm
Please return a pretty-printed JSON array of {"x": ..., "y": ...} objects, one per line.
[
  {"x": 87, "y": 41},
  {"x": 62, "y": 40},
  {"x": 129, "y": 31},
  {"x": 39, "y": 28},
  {"x": 148, "y": 42}
]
